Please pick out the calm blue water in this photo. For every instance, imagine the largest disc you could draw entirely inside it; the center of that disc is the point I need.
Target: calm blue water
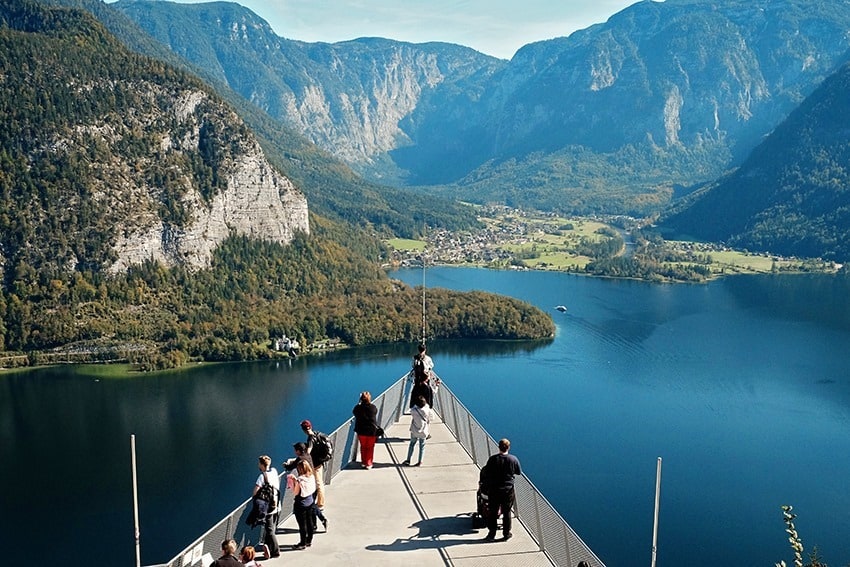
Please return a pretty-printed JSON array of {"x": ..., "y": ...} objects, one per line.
[{"x": 741, "y": 386}]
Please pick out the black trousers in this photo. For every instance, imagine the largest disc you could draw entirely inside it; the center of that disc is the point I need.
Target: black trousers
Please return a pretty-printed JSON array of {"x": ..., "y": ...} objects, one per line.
[
  {"x": 500, "y": 500},
  {"x": 304, "y": 516},
  {"x": 269, "y": 529}
]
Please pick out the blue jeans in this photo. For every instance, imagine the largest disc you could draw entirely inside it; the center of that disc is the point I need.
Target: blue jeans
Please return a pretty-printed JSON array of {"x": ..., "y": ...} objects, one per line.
[{"x": 413, "y": 441}]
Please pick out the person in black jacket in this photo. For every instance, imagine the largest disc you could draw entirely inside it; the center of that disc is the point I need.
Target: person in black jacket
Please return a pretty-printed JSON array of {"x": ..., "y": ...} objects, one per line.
[
  {"x": 497, "y": 478},
  {"x": 366, "y": 427},
  {"x": 228, "y": 555}
]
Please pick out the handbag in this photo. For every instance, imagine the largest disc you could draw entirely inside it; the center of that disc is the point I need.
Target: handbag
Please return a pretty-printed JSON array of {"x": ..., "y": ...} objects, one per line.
[{"x": 379, "y": 432}]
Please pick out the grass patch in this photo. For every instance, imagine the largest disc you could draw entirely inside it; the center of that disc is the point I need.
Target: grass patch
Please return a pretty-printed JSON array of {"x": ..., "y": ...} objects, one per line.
[{"x": 406, "y": 244}]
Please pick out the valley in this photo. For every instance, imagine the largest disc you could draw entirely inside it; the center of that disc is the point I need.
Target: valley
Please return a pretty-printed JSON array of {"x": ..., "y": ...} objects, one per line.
[{"x": 613, "y": 246}]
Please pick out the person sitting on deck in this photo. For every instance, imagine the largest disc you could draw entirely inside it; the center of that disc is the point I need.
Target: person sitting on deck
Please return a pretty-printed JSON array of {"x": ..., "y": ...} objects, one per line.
[{"x": 248, "y": 556}]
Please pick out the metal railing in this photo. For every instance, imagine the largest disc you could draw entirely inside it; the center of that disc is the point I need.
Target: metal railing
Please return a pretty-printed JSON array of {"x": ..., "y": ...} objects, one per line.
[{"x": 553, "y": 535}]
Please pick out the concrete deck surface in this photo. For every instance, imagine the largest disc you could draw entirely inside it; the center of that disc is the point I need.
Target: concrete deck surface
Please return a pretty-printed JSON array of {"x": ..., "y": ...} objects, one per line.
[{"x": 403, "y": 515}]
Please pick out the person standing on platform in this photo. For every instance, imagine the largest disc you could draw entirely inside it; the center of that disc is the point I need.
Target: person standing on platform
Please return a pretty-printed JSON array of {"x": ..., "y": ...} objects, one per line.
[
  {"x": 366, "y": 427},
  {"x": 421, "y": 417},
  {"x": 317, "y": 448},
  {"x": 425, "y": 384},
  {"x": 303, "y": 484},
  {"x": 498, "y": 482},
  {"x": 268, "y": 475},
  {"x": 289, "y": 465}
]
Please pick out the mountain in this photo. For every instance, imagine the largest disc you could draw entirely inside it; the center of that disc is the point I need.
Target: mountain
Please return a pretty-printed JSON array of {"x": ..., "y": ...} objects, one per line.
[
  {"x": 110, "y": 159},
  {"x": 354, "y": 98},
  {"x": 612, "y": 118},
  {"x": 792, "y": 194},
  {"x": 333, "y": 189},
  {"x": 141, "y": 221}
]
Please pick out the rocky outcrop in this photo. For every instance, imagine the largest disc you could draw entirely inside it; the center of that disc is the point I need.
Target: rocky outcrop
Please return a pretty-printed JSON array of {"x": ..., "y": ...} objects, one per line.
[
  {"x": 258, "y": 202},
  {"x": 152, "y": 166},
  {"x": 356, "y": 99},
  {"x": 255, "y": 201}
]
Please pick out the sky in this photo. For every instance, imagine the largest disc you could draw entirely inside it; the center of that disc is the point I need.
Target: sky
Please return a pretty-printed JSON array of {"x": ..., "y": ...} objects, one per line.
[{"x": 494, "y": 27}]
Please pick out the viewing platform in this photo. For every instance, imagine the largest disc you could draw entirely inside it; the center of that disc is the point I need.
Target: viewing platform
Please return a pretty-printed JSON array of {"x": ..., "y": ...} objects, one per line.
[
  {"x": 396, "y": 514},
  {"x": 403, "y": 515}
]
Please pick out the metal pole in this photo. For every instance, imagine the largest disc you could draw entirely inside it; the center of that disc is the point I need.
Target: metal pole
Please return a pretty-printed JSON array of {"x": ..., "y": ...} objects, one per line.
[
  {"x": 135, "y": 501},
  {"x": 657, "y": 502},
  {"x": 423, "y": 297}
]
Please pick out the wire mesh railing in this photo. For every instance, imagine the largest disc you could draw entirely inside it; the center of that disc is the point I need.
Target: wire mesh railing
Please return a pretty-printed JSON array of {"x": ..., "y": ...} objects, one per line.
[
  {"x": 553, "y": 535},
  {"x": 390, "y": 406}
]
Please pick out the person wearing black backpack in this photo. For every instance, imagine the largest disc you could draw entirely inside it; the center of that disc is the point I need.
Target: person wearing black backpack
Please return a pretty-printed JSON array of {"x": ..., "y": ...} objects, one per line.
[
  {"x": 267, "y": 487},
  {"x": 321, "y": 451}
]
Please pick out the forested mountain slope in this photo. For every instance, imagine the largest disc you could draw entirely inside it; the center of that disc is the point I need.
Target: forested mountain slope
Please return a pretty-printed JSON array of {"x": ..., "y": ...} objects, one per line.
[
  {"x": 140, "y": 220},
  {"x": 333, "y": 189},
  {"x": 792, "y": 195}
]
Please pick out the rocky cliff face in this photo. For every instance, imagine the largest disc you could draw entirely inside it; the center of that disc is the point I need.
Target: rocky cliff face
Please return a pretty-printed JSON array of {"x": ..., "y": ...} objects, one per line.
[
  {"x": 354, "y": 98},
  {"x": 696, "y": 77},
  {"x": 258, "y": 202},
  {"x": 673, "y": 73},
  {"x": 255, "y": 200},
  {"x": 116, "y": 159}
]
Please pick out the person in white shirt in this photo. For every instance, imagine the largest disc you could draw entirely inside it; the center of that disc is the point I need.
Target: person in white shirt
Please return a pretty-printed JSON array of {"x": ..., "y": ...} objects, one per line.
[
  {"x": 304, "y": 488},
  {"x": 421, "y": 417},
  {"x": 268, "y": 474}
]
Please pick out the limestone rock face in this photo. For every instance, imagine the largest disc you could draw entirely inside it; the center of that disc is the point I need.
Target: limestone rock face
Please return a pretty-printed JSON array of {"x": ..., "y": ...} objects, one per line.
[
  {"x": 111, "y": 159},
  {"x": 254, "y": 200},
  {"x": 258, "y": 202},
  {"x": 202, "y": 178}
]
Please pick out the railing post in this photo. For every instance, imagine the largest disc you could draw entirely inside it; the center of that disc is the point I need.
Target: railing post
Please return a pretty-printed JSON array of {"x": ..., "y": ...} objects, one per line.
[
  {"x": 472, "y": 440},
  {"x": 401, "y": 398}
]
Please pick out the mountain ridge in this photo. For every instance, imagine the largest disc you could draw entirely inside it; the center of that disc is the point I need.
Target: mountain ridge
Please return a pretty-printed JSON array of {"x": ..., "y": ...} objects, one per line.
[
  {"x": 692, "y": 85},
  {"x": 791, "y": 195}
]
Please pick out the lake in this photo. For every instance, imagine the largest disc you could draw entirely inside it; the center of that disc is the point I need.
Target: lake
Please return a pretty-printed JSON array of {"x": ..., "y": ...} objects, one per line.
[{"x": 740, "y": 385}]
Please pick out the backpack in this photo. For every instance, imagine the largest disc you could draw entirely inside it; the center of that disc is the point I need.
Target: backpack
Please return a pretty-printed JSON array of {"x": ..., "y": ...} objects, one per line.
[
  {"x": 267, "y": 492},
  {"x": 419, "y": 371},
  {"x": 323, "y": 449}
]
